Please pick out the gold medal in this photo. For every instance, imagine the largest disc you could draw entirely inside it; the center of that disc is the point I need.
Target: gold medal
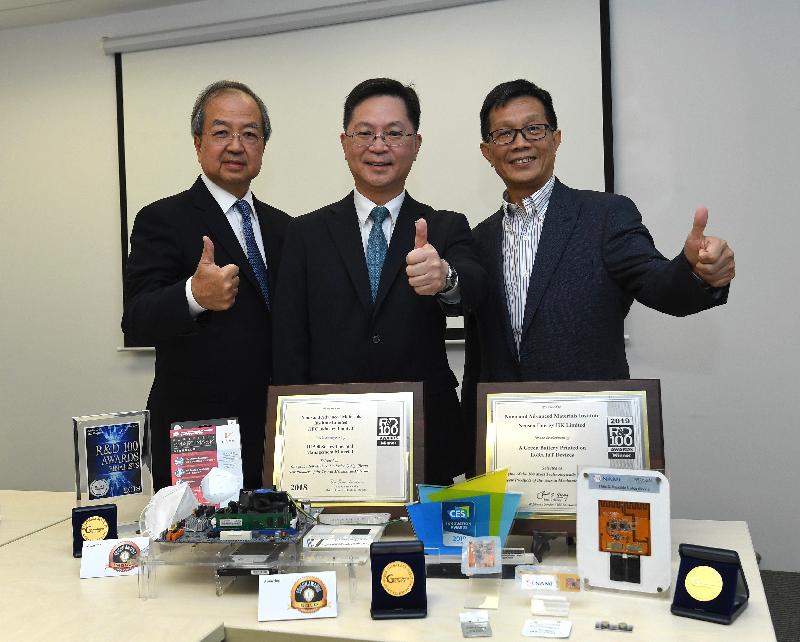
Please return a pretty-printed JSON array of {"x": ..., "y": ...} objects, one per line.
[
  {"x": 94, "y": 528},
  {"x": 703, "y": 583},
  {"x": 397, "y": 578}
]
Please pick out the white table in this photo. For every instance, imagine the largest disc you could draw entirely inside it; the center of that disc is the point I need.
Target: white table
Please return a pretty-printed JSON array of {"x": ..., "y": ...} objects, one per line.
[
  {"x": 23, "y": 512},
  {"x": 45, "y": 600}
]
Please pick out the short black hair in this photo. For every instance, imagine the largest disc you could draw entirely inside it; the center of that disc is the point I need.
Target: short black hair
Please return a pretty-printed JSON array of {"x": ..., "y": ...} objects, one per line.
[
  {"x": 382, "y": 87},
  {"x": 508, "y": 91},
  {"x": 198, "y": 116}
]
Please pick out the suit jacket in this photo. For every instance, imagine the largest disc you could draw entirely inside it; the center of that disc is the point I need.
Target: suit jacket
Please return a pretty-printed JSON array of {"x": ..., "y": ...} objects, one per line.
[
  {"x": 218, "y": 364},
  {"x": 594, "y": 258},
  {"x": 328, "y": 330}
]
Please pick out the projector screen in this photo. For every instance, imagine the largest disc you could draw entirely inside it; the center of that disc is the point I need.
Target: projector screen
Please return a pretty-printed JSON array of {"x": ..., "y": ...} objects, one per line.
[{"x": 453, "y": 57}]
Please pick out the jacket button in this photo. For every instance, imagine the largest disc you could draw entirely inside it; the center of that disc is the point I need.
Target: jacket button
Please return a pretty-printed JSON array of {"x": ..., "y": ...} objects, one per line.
[{"x": 376, "y": 338}]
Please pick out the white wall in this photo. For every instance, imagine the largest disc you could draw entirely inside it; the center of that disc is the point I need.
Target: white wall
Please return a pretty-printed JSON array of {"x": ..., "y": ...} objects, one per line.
[
  {"x": 687, "y": 77},
  {"x": 706, "y": 102}
]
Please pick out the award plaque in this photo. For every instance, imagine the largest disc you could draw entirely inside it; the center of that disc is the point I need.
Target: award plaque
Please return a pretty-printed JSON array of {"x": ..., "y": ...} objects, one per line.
[
  {"x": 111, "y": 462},
  {"x": 624, "y": 540},
  {"x": 347, "y": 446},
  {"x": 543, "y": 431}
]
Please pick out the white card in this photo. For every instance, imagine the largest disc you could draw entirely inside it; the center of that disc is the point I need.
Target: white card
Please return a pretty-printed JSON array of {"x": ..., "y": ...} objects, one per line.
[
  {"x": 547, "y": 628},
  {"x": 539, "y": 582},
  {"x": 112, "y": 557},
  {"x": 297, "y": 596}
]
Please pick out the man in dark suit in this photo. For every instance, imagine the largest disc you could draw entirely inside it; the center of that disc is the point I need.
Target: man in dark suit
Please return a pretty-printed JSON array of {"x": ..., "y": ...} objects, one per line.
[
  {"x": 198, "y": 280},
  {"x": 350, "y": 309},
  {"x": 565, "y": 265}
]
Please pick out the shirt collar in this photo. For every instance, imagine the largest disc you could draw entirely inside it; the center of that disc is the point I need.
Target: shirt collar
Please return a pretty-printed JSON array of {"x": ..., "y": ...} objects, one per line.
[
  {"x": 536, "y": 202},
  {"x": 364, "y": 206},
  {"x": 225, "y": 199}
]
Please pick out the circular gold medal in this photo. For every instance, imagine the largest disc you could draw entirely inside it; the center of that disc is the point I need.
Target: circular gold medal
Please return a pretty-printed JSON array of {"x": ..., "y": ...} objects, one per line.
[
  {"x": 703, "y": 583},
  {"x": 397, "y": 578},
  {"x": 94, "y": 527}
]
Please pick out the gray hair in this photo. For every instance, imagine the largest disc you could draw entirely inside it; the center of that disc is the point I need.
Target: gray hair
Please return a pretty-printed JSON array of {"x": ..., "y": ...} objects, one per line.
[{"x": 219, "y": 87}]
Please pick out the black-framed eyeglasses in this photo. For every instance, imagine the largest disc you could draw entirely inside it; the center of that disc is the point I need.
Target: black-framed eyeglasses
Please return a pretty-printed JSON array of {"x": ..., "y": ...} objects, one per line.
[
  {"x": 392, "y": 138},
  {"x": 224, "y": 137},
  {"x": 507, "y": 135}
]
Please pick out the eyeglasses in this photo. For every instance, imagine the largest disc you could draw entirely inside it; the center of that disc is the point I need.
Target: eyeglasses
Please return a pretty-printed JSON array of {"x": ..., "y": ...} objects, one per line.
[
  {"x": 224, "y": 137},
  {"x": 392, "y": 138},
  {"x": 507, "y": 135}
]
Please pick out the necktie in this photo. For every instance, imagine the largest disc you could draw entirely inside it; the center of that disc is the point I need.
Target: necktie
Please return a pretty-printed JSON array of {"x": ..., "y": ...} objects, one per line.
[
  {"x": 376, "y": 248},
  {"x": 253, "y": 255}
]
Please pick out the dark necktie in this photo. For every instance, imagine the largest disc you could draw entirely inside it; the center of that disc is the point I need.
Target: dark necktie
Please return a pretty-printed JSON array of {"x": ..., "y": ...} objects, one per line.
[
  {"x": 253, "y": 255},
  {"x": 376, "y": 248}
]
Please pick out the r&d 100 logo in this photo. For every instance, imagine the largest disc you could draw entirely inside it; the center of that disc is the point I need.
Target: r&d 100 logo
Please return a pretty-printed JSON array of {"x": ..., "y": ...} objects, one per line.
[
  {"x": 388, "y": 431},
  {"x": 621, "y": 439}
]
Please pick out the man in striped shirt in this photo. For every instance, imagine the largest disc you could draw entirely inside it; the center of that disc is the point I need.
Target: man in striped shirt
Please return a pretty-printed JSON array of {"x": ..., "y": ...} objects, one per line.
[{"x": 565, "y": 265}]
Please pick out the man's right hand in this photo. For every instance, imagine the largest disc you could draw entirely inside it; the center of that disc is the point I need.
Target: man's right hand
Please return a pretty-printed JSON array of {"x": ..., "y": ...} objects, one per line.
[{"x": 214, "y": 287}]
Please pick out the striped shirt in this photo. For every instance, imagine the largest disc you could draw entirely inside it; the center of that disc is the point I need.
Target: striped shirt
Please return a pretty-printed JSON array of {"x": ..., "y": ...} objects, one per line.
[{"x": 522, "y": 229}]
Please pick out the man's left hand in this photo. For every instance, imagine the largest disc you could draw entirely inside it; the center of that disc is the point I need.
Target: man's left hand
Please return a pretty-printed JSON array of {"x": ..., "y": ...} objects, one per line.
[
  {"x": 711, "y": 258},
  {"x": 426, "y": 272}
]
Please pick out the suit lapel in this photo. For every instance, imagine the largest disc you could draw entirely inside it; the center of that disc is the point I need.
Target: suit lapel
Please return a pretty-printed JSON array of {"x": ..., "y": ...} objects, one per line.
[
  {"x": 222, "y": 233},
  {"x": 401, "y": 243},
  {"x": 271, "y": 248},
  {"x": 343, "y": 226},
  {"x": 559, "y": 221},
  {"x": 496, "y": 276}
]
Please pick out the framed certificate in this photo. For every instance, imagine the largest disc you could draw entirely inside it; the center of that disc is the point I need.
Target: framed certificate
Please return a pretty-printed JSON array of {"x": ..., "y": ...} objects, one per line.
[
  {"x": 111, "y": 457},
  {"x": 543, "y": 431},
  {"x": 348, "y": 446}
]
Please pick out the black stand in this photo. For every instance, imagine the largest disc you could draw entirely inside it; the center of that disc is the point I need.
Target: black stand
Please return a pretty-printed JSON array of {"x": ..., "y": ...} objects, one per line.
[
  {"x": 398, "y": 580},
  {"x": 721, "y": 598},
  {"x": 540, "y": 543}
]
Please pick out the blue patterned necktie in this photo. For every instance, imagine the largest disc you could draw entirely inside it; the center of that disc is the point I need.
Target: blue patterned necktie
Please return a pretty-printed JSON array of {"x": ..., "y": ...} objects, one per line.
[
  {"x": 376, "y": 248},
  {"x": 253, "y": 255}
]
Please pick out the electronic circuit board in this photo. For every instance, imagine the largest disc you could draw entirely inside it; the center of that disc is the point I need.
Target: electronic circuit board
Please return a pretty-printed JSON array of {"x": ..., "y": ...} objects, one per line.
[
  {"x": 260, "y": 516},
  {"x": 624, "y": 527}
]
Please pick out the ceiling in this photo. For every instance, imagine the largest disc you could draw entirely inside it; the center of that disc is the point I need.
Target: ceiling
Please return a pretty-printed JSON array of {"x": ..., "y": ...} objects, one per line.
[{"x": 24, "y": 13}]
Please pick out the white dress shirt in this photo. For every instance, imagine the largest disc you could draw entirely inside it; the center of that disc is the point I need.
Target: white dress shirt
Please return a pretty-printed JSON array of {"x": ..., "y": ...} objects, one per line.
[{"x": 522, "y": 229}]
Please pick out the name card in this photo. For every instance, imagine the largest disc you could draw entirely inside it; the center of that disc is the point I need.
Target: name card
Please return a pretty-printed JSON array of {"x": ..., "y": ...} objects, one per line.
[{"x": 297, "y": 596}]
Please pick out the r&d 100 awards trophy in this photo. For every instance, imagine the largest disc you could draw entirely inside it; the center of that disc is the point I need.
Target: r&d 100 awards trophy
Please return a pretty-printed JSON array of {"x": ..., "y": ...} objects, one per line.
[
  {"x": 350, "y": 447},
  {"x": 543, "y": 431},
  {"x": 112, "y": 465}
]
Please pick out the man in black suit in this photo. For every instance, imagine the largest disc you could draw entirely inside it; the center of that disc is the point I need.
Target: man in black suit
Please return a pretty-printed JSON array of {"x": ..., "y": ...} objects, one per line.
[
  {"x": 198, "y": 281},
  {"x": 346, "y": 314},
  {"x": 565, "y": 265}
]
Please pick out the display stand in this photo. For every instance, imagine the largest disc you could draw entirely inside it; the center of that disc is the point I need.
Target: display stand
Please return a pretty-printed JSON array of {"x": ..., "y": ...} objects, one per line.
[
  {"x": 227, "y": 561},
  {"x": 348, "y": 559},
  {"x": 711, "y": 584}
]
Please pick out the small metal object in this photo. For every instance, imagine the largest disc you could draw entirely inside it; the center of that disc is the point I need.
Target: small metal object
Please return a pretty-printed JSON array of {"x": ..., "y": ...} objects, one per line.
[{"x": 605, "y": 625}]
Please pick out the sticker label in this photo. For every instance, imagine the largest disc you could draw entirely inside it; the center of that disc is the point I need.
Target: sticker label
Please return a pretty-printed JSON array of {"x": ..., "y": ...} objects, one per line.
[
  {"x": 629, "y": 483},
  {"x": 458, "y": 522}
]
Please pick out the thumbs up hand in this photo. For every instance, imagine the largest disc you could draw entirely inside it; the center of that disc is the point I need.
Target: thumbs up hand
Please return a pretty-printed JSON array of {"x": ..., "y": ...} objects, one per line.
[
  {"x": 710, "y": 257},
  {"x": 214, "y": 287},
  {"x": 425, "y": 270}
]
